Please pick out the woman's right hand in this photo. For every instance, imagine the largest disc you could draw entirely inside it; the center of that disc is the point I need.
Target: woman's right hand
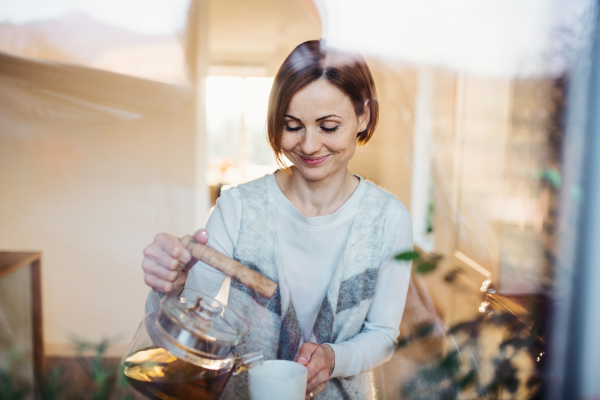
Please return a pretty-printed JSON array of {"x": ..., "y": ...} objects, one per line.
[{"x": 162, "y": 260}]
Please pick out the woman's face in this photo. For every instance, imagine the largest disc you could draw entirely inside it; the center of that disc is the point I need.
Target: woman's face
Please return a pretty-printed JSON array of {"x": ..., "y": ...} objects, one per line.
[{"x": 319, "y": 135}]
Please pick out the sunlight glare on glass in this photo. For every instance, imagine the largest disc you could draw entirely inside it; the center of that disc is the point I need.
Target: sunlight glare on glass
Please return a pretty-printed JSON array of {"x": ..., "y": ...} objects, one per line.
[
  {"x": 256, "y": 99},
  {"x": 483, "y": 307},
  {"x": 495, "y": 37},
  {"x": 224, "y": 96},
  {"x": 152, "y": 17},
  {"x": 485, "y": 285},
  {"x": 236, "y": 109}
]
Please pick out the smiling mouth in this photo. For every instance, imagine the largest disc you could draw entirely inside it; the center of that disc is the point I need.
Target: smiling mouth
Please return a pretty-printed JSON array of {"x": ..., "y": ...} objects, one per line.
[{"x": 313, "y": 160}]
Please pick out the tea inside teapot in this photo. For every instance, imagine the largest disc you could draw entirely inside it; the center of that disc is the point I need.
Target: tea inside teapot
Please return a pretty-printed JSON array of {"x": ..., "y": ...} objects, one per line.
[{"x": 157, "y": 374}]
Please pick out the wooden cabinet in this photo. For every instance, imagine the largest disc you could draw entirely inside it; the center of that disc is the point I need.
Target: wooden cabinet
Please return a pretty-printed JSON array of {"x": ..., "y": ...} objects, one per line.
[{"x": 21, "y": 334}]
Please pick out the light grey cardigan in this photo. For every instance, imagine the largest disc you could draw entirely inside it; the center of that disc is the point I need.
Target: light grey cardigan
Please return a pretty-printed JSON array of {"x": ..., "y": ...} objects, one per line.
[{"x": 273, "y": 326}]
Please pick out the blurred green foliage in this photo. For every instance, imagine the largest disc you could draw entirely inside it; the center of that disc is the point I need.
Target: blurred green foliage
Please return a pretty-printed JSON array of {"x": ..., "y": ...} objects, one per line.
[
  {"x": 107, "y": 381},
  {"x": 421, "y": 265},
  {"x": 456, "y": 373},
  {"x": 12, "y": 385},
  {"x": 451, "y": 376}
]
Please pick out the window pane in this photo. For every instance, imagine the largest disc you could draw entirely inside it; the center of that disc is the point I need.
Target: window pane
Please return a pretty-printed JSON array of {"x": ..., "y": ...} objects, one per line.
[
  {"x": 224, "y": 118},
  {"x": 256, "y": 98}
]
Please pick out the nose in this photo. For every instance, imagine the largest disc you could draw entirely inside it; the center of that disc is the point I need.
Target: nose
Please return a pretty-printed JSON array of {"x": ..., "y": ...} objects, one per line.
[{"x": 310, "y": 143}]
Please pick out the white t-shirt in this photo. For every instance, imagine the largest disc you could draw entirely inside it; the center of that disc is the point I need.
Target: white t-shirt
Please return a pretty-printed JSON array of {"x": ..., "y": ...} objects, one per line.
[{"x": 311, "y": 249}]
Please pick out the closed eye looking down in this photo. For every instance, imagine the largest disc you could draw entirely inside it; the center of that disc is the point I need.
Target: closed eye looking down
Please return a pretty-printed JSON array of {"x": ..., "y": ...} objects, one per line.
[{"x": 297, "y": 128}]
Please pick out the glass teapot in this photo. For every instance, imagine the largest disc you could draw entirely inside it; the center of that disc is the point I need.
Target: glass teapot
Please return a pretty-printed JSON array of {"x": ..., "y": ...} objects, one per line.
[{"x": 186, "y": 350}]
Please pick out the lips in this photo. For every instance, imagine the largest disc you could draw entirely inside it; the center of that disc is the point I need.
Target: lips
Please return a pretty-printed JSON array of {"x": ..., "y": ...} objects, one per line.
[{"x": 313, "y": 160}]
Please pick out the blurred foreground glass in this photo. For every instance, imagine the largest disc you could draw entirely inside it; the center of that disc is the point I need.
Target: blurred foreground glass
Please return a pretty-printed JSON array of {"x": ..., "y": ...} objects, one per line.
[
  {"x": 489, "y": 109},
  {"x": 236, "y": 116},
  {"x": 485, "y": 134}
]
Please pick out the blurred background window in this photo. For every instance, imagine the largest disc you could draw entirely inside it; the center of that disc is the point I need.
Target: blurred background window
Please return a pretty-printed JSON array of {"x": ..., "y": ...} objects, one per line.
[{"x": 236, "y": 116}]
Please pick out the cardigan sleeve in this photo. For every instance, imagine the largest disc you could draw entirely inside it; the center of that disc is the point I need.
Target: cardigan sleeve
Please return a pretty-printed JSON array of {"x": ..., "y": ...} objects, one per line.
[
  {"x": 223, "y": 231},
  {"x": 377, "y": 340}
]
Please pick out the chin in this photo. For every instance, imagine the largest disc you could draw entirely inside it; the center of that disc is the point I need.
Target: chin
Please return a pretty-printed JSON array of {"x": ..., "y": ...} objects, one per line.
[{"x": 314, "y": 173}]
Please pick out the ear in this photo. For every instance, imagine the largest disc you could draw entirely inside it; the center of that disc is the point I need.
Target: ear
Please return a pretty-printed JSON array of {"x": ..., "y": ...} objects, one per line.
[{"x": 365, "y": 118}]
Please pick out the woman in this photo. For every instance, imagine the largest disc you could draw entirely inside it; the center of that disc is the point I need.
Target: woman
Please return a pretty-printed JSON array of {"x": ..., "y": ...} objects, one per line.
[{"x": 325, "y": 235}]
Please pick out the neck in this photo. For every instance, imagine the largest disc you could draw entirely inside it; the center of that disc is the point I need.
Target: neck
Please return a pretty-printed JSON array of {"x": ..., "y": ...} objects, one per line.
[{"x": 317, "y": 198}]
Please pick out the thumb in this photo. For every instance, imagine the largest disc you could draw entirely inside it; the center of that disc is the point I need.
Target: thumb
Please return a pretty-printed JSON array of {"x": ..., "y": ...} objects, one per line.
[
  {"x": 306, "y": 352},
  {"x": 201, "y": 236}
]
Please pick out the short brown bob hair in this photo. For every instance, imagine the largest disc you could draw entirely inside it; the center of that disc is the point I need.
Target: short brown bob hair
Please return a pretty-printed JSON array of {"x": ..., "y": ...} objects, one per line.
[{"x": 311, "y": 61}]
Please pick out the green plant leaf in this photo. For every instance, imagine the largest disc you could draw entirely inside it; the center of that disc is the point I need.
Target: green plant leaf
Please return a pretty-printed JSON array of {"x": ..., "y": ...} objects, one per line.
[
  {"x": 551, "y": 175},
  {"x": 12, "y": 387},
  {"x": 425, "y": 268},
  {"x": 53, "y": 387},
  {"x": 407, "y": 256},
  {"x": 451, "y": 363}
]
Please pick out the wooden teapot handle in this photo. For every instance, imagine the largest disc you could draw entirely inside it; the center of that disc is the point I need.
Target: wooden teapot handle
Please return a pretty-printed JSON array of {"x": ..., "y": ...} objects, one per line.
[{"x": 230, "y": 267}]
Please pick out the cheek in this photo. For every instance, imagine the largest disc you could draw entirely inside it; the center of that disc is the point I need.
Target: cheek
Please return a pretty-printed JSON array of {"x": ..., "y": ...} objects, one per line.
[
  {"x": 288, "y": 141},
  {"x": 345, "y": 144},
  {"x": 351, "y": 149}
]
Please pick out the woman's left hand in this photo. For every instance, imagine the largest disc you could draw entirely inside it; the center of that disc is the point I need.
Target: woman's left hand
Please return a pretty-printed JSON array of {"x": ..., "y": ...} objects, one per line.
[{"x": 319, "y": 359}]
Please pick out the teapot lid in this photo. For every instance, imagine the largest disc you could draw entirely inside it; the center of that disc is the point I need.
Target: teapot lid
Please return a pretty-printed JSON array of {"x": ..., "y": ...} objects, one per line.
[{"x": 197, "y": 323}]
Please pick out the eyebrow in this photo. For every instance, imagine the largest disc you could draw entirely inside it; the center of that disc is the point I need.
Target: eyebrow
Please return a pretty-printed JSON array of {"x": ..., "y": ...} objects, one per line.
[
  {"x": 327, "y": 116},
  {"x": 317, "y": 120}
]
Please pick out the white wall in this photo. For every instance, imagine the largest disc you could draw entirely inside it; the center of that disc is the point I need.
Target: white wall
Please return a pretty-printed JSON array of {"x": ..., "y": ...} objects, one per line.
[{"x": 90, "y": 191}]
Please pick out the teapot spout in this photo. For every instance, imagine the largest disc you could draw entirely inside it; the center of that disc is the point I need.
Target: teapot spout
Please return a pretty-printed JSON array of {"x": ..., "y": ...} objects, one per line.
[{"x": 247, "y": 361}]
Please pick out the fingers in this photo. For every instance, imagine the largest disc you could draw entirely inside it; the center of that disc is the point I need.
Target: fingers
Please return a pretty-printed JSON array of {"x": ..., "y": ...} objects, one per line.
[
  {"x": 152, "y": 268},
  {"x": 162, "y": 261},
  {"x": 305, "y": 355},
  {"x": 171, "y": 245},
  {"x": 319, "y": 361},
  {"x": 316, "y": 361},
  {"x": 316, "y": 390},
  {"x": 163, "y": 286},
  {"x": 161, "y": 258},
  {"x": 161, "y": 279},
  {"x": 318, "y": 383},
  {"x": 201, "y": 236}
]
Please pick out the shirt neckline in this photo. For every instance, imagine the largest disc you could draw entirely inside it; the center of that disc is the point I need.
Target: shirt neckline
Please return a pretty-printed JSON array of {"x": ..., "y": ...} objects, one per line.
[{"x": 342, "y": 214}]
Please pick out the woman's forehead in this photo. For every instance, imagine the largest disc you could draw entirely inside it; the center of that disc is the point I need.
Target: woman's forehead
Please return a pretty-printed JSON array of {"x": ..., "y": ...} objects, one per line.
[{"x": 318, "y": 99}]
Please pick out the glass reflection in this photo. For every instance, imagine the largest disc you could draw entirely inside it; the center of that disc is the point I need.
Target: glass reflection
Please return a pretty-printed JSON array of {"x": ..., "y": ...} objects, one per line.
[
  {"x": 483, "y": 106},
  {"x": 483, "y": 135}
]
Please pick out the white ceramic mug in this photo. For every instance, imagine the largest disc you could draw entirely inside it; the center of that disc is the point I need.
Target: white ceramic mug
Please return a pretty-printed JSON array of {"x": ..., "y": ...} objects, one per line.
[{"x": 277, "y": 380}]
